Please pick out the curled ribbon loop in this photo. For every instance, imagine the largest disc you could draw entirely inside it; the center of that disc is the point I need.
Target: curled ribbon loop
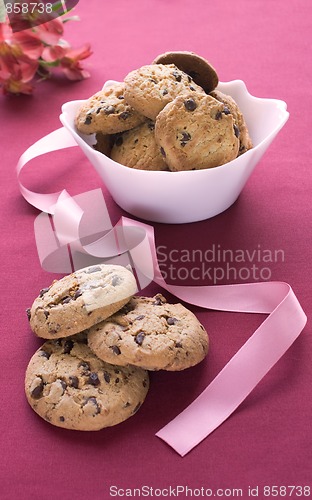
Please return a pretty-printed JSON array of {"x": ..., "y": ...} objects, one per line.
[{"x": 89, "y": 238}]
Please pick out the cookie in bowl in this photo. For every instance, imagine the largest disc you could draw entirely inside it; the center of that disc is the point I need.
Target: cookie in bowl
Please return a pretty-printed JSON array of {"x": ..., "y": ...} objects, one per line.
[
  {"x": 195, "y": 132},
  {"x": 202, "y": 72},
  {"x": 107, "y": 112},
  {"x": 245, "y": 142},
  {"x": 149, "y": 88},
  {"x": 137, "y": 148}
]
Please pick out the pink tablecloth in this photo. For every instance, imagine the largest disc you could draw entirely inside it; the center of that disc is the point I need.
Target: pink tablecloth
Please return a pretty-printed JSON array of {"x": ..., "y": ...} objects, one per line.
[{"x": 267, "y": 441}]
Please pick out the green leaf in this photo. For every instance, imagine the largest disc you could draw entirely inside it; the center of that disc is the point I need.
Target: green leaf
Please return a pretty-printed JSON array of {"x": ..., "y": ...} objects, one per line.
[{"x": 49, "y": 64}]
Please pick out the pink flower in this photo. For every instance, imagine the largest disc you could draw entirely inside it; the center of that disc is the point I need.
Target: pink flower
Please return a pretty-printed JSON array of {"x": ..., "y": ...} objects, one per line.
[
  {"x": 15, "y": 84},
  {"x": 20, "y": 45},
  {"x": 19, "y": 54},
  {"x": 49, "y": 33},
  {"x": 40, "y": 49},
  {"x": 68, "y": 59}
]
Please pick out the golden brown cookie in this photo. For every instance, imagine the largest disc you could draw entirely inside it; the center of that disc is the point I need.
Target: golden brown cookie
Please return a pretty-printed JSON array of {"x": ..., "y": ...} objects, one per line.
[
  {"x": 245, "y": 141},
  {"x": 107, "y": 112},
  {"x": 150, "y": 333},
  {"x": 137, "y": 148},
  {"x": 80, "y": 300},
  {"x": 202, "y": 72},
  {"x": 195, "y": 131},
  {"x": 149, "y": 88},
  {"x": 70, "y": 387}
]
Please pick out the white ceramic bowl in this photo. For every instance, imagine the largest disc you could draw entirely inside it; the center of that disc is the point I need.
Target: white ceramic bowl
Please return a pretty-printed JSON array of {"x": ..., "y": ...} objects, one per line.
[{"x": 189, "y": 196}]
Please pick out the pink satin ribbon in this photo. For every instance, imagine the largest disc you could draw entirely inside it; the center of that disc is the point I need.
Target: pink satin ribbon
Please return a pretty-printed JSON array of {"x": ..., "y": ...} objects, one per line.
[{"x": 248, "y": 366}]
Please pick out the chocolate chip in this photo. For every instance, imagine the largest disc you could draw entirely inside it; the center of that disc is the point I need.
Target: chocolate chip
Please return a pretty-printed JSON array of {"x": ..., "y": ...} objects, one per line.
[
  {"x": 218, "y": 115},
  {"x": 109, "y": 110},
  {"x": 94, "y": 379},
  {"x": 190, "y": 104},
  {"x": 185, "y": 137},
  {"x": 158, "y": 301},
  {"x": 28, "y": 313},
  {"x": 66, "y": 300},
  {"x": 94, "y": 401},
  {"x": 138, "y": 318},
  {"x": 121, "y": 97},
  {"x": 77, "y": 294},
  {"x": 177, "y": 76},
  {"x": 117, "y": 380},
  {"x": 88, "y": 120},
  {"x": 93, "y": 269},
  {"x": 139, "y": 338},
  {"x": 107, "y": 377},
  {"x": 68, "y": 345},
  {"x": 226, "y": 110},
  {"x": 62, "y": 419},
  {"x": 178, "y": 344},
  {"x": 165, "y": 92},
  {"x": 163, "y": 152},
  {"x": 43, "y": 291},
  {"x": 85, "y": 366},
  {"x": 73, "y": 381},
  {"x": 236, "y": 130},
  {"x": 172, "y": 321},
  {"x": 116, "y": 280},
  {"x": 192, "y": 88},
  {"x": 44, "y": 354},
  {"x": 36, "y": 393},
  {"x": 144, "y": 383},
  {"x": 115, "y": 349},
  {"x": 124, "y": 115},
  {"x": 152, "y": 80},
  {"x": 63, "y": 384},
  {"x": 98, "y": 110}
]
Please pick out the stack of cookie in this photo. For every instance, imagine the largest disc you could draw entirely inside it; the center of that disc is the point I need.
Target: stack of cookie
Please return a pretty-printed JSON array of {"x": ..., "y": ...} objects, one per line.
[
  {"x": 167, "y": 115},
  {"x": 92, "y": 371}
]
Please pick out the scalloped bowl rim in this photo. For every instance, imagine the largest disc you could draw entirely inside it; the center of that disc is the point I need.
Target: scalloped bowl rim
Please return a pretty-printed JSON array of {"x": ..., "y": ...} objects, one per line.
[{"x": 236, "y": 171}]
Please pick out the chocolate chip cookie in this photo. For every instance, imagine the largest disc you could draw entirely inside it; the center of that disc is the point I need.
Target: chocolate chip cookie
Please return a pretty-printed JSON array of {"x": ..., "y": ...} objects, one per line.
[
  {"x": 245, "y": 141},
  {"x": 196, "y": 131},
  {"x": 70, "y": 387},
  {"x": 202, "y": 72},
  {"x": 149, "y": 88},
  {"x": 137, "y": 148},
  {"x": 150, "y": 333},
  {"x": 107, "y": 112},
  {"x": 80, "y": 300}
]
